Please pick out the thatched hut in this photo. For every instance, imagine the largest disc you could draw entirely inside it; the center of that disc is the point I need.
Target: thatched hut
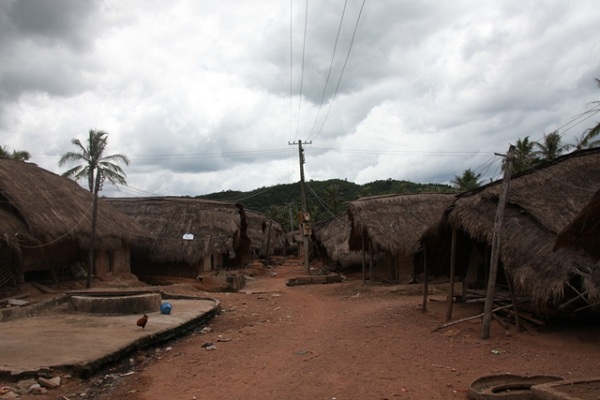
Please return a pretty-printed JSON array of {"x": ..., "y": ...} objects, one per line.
[
  {"x": 388, "y": 228},
  {"x": 187, "y": 236},
  {"x": 540, "y": 203},
  {"x": 330, "y": 240},
  {"x": 46, "y": 223},
  {"x": 265, "y": 235}
]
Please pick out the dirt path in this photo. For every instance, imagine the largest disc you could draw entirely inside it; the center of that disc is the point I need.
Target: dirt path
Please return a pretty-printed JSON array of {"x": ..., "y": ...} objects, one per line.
[{"x": 338, "y": 341}]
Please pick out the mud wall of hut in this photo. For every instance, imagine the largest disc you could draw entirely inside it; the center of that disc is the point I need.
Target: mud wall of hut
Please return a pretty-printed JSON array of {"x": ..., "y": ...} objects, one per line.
[
  {"x": 55, "y": 256},
  {"x": 115, "y": 262},
  {"x": 392, "y": 268}
]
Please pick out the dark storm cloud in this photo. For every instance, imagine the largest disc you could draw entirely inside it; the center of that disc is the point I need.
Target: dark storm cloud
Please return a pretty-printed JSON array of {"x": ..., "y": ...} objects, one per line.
[
  {"x": 56, "y": 21},
  {"x": 43, "y": 46}
]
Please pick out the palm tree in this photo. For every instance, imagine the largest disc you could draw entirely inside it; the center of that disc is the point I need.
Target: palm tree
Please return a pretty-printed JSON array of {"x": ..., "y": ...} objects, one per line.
[
  {"x": 551, "y": 147},
  {"x": 523, "y": 156},
  {"x": 95, "y": 168},
  {"x": 468, "y": 181},
  {"x": 588, "y": 139},
  {"x": 19, "y": 155},
  {"x": 95, "y": 164},
  {"x": 332, "y": 195}
]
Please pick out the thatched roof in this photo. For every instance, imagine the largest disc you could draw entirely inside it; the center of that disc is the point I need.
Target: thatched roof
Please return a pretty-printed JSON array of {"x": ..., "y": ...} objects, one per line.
[
  {"x": 584, "y": 231},
  {"x": 332, "y": 235},
  {"x": 257, "y": 231},
  {"x": 13, "y": 230},
  {"x": 540, "y": 203},
  {"x": 552, "y": 195},
  {"x": 394, "y": 223},
  {"x": 215, "y": 226},
  {"x": 43, "y": 208}
]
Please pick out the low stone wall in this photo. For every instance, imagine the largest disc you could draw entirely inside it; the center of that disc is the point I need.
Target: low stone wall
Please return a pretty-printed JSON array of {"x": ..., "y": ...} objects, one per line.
[
  {"x": 227, "y": 283},
  {"x": 116, "y": 305},
  {"x": 6, "y": 314}
]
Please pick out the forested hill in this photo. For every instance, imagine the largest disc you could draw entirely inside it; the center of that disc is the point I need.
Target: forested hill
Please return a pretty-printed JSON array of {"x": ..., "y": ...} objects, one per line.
[{"x": 324, "y": 198}]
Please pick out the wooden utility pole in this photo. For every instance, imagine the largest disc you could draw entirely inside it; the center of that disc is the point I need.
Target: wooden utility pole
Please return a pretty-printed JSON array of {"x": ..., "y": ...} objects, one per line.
[
  {"x": 305, "y": 226},
  {"x": 491, "y": 285}
]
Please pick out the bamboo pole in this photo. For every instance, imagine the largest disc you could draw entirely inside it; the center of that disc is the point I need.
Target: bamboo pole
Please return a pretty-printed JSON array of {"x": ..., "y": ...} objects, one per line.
[
  {"x": 513, "y": 299},
  {"x": 364, "y": 257},
  {"x": 371, "y": 262},
  {"x": 450, "y": 298},
  {"x": 469, "y": 318},
  {"x": 425, "y": 279},
  {"x": 489, "y": 298}
]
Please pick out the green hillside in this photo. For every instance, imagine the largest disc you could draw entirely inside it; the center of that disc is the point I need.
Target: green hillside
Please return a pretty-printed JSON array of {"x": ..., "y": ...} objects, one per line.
[{"x": 323, "y": 198}]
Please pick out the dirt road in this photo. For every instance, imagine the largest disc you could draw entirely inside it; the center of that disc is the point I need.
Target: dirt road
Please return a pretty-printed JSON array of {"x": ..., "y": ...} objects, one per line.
[{"x": 337, "y": 341}]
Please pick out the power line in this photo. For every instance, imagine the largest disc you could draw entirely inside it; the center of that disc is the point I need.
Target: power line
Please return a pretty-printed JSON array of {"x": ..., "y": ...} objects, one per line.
[
  {"x": 337, "y": 37},
  {"x": 302, "y": 68},
  {"x": 209, "y": 155},
  {"x": 402, "y": 152},
  {"x": 291, "y": 69},
  {"x": 320, "y": 201},
  {"x": 83, "y": 216},
  {"x": 343, "y": 69}
]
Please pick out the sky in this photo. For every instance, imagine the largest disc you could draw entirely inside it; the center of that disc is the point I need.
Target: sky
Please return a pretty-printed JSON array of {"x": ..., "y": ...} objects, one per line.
[{"x": 209, "y": 96}]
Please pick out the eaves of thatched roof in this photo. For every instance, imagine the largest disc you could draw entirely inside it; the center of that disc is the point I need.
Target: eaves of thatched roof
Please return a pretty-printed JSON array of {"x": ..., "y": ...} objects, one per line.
[
  {"x": 540, "y": 203},
  {"x": 552, "y": 194},
  {"x": 47, "y": 208},
  {"x": 215, "y": 226},
  {"x": 584, "y": 231},
  {"x": 13, "y": 230},
  {"x": 394, "y": 223},
  {"x": 333, "y": 236}
]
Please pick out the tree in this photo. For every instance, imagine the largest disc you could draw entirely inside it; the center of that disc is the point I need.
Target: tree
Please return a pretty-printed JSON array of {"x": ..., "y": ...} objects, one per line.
[
  {"x": 19, "y": 155},
  {"x": 95, "y": 164},
  {"x": 588, "y": 138},
  {"x": 95, "y": 168},
  {"x": 468, "y": 181},
  {"x": 524, "y": 157},
  {"x": 551, "y": 147},
  {"x": 332, "y": 196}
]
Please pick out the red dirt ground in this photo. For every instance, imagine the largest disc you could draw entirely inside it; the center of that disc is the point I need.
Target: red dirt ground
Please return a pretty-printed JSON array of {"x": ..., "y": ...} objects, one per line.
[{"x": 337, "y": 341}]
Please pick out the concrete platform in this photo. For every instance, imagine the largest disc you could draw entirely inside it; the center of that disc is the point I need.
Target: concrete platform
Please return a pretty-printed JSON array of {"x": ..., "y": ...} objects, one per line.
[
  {"x": 574, "y": 389},
  {"x": 83, "y": 343}
]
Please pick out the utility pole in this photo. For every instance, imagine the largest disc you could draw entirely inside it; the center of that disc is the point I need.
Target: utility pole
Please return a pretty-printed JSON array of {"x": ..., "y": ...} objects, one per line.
[
  {"x": 304, "y": 225},
  {"x": 491, "y": 285}
]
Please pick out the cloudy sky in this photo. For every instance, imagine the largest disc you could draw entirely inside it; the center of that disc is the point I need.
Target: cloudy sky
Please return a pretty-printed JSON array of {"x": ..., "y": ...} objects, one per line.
[{"x": 205, "y": 96}]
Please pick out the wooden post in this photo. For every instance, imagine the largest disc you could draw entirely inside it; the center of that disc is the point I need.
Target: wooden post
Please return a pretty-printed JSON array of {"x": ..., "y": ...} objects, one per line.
[
  {"x": 491, "y": 285},
  {"x": 450, "y": 298},
  {"x": 371, "y": 262},
  {"x": 425, "y": 279},
  {"x": 513, "y": 298},
  {"x": 486, "y": 263},
  {"x": 268, "y": 250},
  {"x": 364, "y": 257}
]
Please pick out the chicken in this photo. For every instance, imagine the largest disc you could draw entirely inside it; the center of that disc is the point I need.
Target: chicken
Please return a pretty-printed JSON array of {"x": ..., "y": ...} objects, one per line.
[{"x": 142, "y": 321}]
